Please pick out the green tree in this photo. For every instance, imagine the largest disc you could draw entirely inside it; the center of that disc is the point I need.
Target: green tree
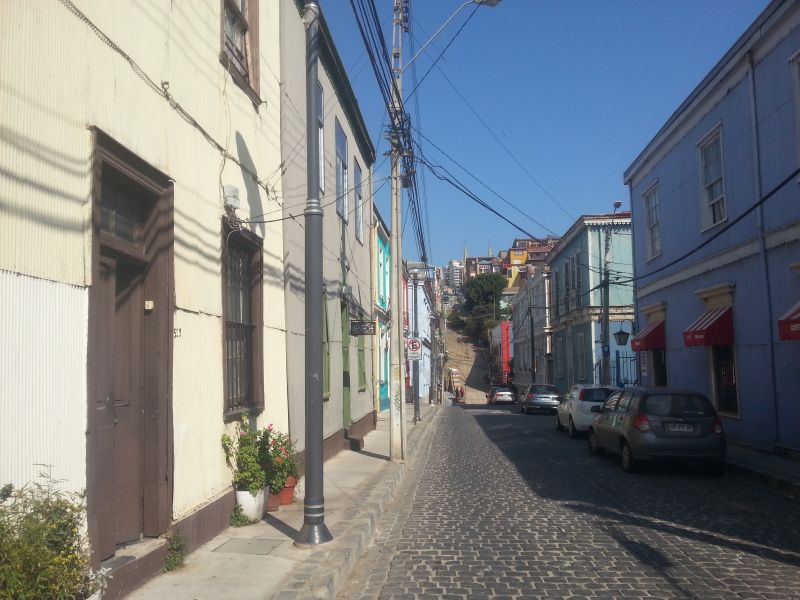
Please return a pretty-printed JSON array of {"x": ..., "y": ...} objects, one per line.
[{"x": 484, "y": 290}]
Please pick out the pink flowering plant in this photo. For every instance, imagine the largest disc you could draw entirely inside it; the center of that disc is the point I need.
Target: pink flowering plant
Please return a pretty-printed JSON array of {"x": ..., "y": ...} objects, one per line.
[{"x": 278, "y": 457}]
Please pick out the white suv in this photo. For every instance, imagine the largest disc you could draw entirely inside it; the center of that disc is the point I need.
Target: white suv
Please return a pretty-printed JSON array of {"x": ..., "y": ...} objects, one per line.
[{"x": 574, "y": 412}]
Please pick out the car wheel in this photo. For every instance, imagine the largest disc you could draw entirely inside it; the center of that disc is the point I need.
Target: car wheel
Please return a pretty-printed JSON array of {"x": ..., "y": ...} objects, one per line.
[
  {"x": 629, "y": 463},
  {"x": 571, "y": 431},
  {"x": 594, "y": 445}
]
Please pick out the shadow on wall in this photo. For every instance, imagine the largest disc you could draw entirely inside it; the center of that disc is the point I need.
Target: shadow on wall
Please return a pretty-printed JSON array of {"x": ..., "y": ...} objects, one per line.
[{"x": 252, "y": 189}]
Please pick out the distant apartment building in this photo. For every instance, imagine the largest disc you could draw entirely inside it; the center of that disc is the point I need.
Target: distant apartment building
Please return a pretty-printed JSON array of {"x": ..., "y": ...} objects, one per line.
[{"x": 454, "y": 275}]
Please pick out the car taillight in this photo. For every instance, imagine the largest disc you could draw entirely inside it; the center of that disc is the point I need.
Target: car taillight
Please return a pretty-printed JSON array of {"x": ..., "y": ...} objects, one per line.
[
  {"x": 582, "y": 395},
  {"x": 717, "y": 426},
  {"x": 530, "y": 396},
  {"x": 642, "y": 423}
]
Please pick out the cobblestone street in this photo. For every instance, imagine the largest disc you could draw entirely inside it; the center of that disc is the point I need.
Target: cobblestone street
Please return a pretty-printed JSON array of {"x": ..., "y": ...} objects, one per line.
[{"x": 506, "y": 507}]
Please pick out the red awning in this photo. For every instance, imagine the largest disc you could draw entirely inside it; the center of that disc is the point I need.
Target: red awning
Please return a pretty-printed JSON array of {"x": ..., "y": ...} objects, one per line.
[
  {"x": 650, "y": 338},
  {"x": 789, "y": 324},
  {"x": 713, "y": 328}
]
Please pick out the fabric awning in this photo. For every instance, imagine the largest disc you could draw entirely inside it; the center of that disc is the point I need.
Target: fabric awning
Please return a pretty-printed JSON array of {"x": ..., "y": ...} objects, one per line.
[
  {"x": 789, "y": 324},
  {"x": 650, "y": 338},
  {"x": 713, "y": 328}
]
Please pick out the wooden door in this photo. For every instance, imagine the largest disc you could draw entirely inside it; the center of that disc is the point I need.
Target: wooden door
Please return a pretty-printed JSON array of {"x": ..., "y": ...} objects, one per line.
[
  {"x": 346, "y": 414},
  {"x": 128, "y": 402}
]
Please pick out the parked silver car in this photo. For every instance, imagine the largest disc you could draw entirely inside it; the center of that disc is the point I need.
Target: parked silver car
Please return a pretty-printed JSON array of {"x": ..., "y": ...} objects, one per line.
[
  {"x": 539, "y": 397},
  {"x": 497, "y": 395},
  {"x": 658, "y": 424}
]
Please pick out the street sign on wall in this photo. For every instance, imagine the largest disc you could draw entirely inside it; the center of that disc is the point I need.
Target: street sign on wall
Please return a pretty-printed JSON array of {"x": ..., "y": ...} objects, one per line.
[
  {"x": 414, "y": 346},
  {"x": 362, "y": 327}
]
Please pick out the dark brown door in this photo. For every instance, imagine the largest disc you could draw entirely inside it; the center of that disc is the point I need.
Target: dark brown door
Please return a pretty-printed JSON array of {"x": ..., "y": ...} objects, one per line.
[
  {"x": 120, "y": 410},
  {"x": 128, "y": 402}
]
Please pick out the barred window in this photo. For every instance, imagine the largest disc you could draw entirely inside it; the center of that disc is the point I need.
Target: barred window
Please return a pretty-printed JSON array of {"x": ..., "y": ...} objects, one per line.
[{"x": 242, "y": 314}]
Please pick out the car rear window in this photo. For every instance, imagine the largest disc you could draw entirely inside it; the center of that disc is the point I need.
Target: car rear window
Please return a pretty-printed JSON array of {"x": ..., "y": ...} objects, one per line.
[
  {"x": 596, "y": 394},
  {"x": 678, "y": 405},
  {"x": 543, "y": 389}
]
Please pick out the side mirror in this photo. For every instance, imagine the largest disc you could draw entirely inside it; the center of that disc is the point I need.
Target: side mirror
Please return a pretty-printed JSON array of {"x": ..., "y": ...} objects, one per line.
[{"x": 597, "y": 408}]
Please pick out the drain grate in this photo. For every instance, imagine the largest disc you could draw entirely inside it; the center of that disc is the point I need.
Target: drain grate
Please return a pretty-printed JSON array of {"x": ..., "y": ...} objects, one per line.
[{"x": 248, "y": 546}]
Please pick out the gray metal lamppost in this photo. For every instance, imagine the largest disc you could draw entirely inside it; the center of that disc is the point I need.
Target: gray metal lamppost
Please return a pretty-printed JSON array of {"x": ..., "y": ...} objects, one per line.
[{"x": 314, "y": 530}]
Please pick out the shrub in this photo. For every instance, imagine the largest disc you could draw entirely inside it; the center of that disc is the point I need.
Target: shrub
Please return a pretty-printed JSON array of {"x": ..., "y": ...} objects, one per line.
[
  {"x": 44, "y": 552},
  {"x": 238, "y": 518},
  {"x": 176, "y": 552},
  {"x": 242, "y": 456}
]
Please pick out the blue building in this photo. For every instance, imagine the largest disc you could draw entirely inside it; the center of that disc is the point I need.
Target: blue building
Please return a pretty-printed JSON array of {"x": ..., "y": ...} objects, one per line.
[
  {"x": 716, "y": 229},
  {"x": 576, "y": 265},
  {"x": 382, "y": 287}
]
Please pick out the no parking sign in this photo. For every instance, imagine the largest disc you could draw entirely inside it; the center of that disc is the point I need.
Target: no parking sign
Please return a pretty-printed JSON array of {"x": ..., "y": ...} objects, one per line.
[{"x": 414, "y": 347}]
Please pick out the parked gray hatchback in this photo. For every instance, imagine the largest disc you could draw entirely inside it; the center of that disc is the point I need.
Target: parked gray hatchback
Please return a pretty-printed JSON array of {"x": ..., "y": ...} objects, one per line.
[{"x": 657, "y": 424}]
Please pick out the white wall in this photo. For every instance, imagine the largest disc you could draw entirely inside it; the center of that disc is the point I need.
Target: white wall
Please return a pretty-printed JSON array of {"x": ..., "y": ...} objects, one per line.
[{"x": 57, "y": 79}]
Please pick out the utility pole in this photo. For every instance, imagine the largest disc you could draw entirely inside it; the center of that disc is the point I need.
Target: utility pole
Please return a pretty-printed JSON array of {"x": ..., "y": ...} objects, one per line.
[
  {"x": 415, "y": 363},
  {"x": 605, "y": 365},
  {"x": 314, "y": 531},
  {"x": 397, "y": 434},
  {"x": 533, "y": 341}
]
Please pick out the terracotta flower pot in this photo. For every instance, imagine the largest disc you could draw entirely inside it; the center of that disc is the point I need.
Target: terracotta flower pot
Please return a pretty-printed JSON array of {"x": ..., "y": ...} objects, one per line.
[
  {"x": 286, "y": 495},
  {"x": 272, "y": 502}
]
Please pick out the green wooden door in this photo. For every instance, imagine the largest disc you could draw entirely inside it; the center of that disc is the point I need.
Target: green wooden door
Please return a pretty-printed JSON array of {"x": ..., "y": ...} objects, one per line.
[{"x": 346, "y": 416}]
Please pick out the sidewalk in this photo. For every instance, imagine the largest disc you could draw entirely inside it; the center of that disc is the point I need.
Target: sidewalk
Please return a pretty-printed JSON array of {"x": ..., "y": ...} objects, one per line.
[
  {"x": 260, "y": 562},
  {"x": 766, "y": 467}
]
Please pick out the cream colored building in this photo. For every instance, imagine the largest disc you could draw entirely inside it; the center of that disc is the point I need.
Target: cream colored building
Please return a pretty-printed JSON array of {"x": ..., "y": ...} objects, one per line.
[
  {"x": 138, "y": 314},
  {"x": 347, "y": 158}
]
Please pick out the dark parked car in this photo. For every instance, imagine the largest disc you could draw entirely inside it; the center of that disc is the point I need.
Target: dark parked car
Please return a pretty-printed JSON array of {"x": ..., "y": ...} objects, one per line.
[
  {"x": 656, "y": 424},
  {"x": 539, "y": 397}
]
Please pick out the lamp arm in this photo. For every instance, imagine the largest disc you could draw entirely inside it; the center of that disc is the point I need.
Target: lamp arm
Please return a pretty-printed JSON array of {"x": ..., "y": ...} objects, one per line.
[{"x": 437, "y": 32}]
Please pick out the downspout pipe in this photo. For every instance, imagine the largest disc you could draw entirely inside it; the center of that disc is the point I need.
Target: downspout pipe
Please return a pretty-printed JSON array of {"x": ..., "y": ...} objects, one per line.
[{"x": 762, "y": 243}]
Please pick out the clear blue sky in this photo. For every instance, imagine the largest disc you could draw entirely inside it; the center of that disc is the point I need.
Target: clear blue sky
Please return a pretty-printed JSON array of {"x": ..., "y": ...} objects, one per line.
[{"x": 573, "y": 88}]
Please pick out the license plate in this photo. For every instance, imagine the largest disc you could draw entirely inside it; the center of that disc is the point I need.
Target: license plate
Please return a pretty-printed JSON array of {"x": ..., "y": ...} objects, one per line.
[{"x": 681, "y": 427}]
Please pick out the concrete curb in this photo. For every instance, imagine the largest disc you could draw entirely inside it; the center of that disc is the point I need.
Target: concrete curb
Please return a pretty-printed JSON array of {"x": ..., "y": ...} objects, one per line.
[{"x": 321, "y": 575}]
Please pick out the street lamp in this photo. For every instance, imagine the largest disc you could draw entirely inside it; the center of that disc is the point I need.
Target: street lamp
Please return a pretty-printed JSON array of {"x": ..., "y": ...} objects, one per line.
[
  {"x": 450, "y": 18},
  {"x": 605, "y": 373}
]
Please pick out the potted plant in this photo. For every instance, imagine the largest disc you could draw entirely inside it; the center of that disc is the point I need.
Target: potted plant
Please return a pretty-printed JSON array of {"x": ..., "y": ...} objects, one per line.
[
  {"x": 249, "y": 478},
  {"x": 279, "y": 462}
]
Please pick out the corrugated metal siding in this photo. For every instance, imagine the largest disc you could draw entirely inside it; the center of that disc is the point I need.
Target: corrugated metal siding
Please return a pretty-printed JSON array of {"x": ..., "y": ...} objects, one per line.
[
  {"x": 42, "y": 379},
  {"x": 44, "y": 145}
]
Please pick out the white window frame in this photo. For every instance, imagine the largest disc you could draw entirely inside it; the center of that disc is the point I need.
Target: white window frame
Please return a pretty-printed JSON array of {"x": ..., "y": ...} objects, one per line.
[
  {"x": 321, "y": 135},
  {"x": 651, "y": 197},
  {"x": 712, "y": 137},
  {"x": 359, "y": 201},
  {"x": 342, "y": 184}
]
